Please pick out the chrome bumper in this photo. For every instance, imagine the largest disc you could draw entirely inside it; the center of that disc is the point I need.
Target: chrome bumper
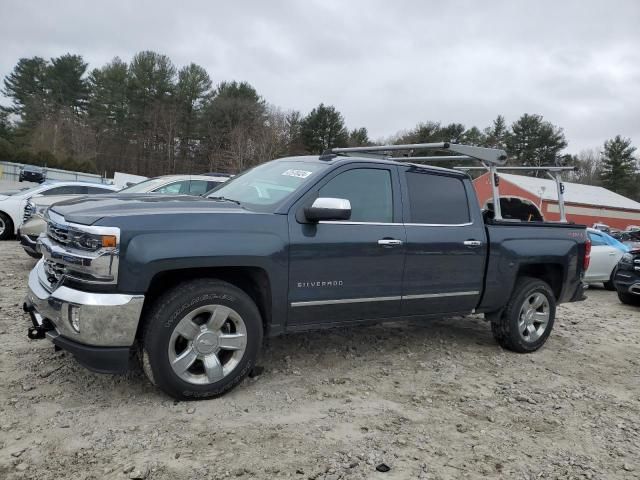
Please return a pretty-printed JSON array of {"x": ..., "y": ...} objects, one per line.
[{"x": 103, "y": 319}]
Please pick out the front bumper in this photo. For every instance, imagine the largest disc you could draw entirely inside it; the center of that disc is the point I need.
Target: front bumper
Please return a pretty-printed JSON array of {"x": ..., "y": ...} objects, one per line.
[
  {"x": 106, "y": 322},
  {"x": 28, "y": 243},
  {"x": 627, "y": 280}
]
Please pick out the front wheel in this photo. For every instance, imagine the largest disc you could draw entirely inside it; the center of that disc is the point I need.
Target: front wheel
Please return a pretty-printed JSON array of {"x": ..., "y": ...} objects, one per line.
[
  {"x": 527, "y": 320},
  {"x": 629, "y": 298},
  {"x": 201, "y": 339},
  {"x": 6, "y": 226},
  {"x": 608, "y": 285}
]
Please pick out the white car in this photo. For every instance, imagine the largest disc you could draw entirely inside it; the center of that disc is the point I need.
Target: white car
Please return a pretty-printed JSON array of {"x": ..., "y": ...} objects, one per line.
[
  {"x": 12, "y": 206},
  {"x": 178, "y": 184},
  {"x": 606, "y": 252}
]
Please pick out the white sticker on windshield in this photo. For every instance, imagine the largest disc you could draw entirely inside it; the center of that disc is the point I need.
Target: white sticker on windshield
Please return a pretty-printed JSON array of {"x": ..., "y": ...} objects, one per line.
[{"x": 297, "y": 173}]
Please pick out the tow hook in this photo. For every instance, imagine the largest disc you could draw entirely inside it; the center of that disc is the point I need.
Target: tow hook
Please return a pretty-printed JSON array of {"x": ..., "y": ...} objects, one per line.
[
  {"x": 36, "y": 333},
  {"x": 40, "y": 325}
]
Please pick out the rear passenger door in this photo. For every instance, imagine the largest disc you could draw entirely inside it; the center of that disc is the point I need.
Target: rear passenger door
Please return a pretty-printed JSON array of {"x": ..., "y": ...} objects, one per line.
[{"x": 446, "y": 243}]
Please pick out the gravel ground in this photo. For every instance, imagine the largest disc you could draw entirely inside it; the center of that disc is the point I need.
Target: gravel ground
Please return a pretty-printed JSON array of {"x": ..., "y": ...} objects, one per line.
[{"x": 431, "y": 400}]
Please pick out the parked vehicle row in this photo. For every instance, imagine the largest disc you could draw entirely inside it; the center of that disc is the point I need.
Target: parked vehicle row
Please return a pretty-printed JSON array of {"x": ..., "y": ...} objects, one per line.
[
  {"x": 190, "y": 284},
  {"x": 606, "y": 252},
  {"x": 12, "y": 205},
  {"x": 34, "y": 225}
]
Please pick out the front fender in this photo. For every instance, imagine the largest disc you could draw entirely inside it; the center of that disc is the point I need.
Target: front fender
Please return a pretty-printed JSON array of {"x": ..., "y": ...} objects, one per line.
[{"x": 148, "y": 254}]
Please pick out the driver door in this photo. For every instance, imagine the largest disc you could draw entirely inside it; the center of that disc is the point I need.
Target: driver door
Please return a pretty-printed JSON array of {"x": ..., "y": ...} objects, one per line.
[{"x": 342, "y": 271}]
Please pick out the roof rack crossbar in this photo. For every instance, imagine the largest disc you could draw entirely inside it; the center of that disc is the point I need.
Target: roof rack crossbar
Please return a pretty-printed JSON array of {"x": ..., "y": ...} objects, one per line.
[
  {"x": 491, "y": 156},
  {"x": 529, "y": 169},
  {"x": 432, "y": 158}
]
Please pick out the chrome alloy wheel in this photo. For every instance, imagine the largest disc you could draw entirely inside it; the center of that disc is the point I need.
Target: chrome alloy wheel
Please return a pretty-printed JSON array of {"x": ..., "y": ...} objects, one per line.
[
  {"x": 207, "y": 344},
  {"x": 3, "y": 225},
  {"x": 534, "y": 317}
]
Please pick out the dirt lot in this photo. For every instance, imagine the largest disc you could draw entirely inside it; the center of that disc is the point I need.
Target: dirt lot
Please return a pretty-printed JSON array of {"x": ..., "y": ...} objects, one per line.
[{"x": 431, "y": 400}]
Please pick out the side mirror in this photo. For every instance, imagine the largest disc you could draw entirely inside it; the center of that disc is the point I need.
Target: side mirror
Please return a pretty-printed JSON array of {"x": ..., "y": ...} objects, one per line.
[{"x": 325, "y": 208}]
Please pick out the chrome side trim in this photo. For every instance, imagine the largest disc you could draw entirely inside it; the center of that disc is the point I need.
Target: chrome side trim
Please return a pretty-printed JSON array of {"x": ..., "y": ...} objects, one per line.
[
  {"x": 467, "y": 224},
  {"x": 437, "y": 295},
  {"x": 346, "y": 222},
  {"x": 313, "y": 303},
  {"x": 382, "y": 299}
]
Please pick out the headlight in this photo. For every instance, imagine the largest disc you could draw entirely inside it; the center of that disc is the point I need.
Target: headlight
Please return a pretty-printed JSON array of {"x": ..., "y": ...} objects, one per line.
[
  {"x": 627, "y": 258},
  {"x": 91, "y": 241},
  {"x": 41, "y": 210}
]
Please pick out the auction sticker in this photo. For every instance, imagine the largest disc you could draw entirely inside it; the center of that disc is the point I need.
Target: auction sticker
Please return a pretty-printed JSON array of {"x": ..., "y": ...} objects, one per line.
[{"x": 297, "y": 173}]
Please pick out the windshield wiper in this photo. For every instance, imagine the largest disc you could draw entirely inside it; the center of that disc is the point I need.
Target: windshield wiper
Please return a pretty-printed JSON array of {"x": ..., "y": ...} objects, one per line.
[{"x": 225, "y": 199}]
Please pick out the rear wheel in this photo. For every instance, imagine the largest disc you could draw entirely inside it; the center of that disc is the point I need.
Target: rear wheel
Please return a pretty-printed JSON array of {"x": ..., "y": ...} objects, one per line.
[
  {"x": 628, "y": 298},
  {"x": 527, "y": 320},
  {"x": 6, "y": 226},
  {"x": 201, "y": 339}
]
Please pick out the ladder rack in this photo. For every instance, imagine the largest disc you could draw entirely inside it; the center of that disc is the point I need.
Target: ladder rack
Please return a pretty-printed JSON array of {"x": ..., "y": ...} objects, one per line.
[{"x": 492, "y": 159}]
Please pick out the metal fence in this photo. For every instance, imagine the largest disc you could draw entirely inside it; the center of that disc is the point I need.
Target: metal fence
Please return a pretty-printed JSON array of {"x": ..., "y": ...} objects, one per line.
[{"x": 11, "y": 171}]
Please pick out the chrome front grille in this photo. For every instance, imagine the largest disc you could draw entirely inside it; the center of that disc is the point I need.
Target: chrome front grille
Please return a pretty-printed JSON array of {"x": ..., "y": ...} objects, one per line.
[
  {"x": 58, "y": 233},
  {"x": 28, "y": 212},
  {"x": 54, "y": 271}
]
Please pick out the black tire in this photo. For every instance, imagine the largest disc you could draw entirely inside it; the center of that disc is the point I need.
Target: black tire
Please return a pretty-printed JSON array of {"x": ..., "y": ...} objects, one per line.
[
  {"x": 162, "y": 319},
  {"x": 7, "y": 232},
  {"x": 505, "y": 327},
  {"x": 609, "y": 285},
  {"x": 33, "y": 254},
  {"x": 629, "y": 298}
]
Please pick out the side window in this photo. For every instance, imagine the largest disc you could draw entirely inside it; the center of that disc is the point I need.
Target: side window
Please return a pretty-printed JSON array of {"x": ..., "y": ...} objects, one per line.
[
  {"x": 173, "y": 188},
  {"x": 436, "y": 199},
  {"x": 596, "y": 240},
  {"x": 212, "y": 185},
  {"x": 97, "y": 190},
  {"x": 198, "y": 187},
  {"x": 369, "y": 191},
  {"x": 66, "y": 190}
]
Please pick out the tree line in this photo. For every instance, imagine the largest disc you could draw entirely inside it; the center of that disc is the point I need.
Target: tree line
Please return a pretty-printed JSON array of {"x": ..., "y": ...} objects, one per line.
[{"x": 151, "y": 118}]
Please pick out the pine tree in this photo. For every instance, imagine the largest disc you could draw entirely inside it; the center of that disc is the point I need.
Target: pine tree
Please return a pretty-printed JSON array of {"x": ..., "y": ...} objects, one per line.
[
  {"x": 534, "y": 142},
  {"x": 619, "y": 167},
  {"x": 323, "y": 128}
]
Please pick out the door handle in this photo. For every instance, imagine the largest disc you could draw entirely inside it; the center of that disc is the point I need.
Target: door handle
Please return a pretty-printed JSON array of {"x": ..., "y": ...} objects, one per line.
[
  {"x": 472, "y": 243},
  {"x": 612, "y": 253},
  {"x": 389, "y": 242}
]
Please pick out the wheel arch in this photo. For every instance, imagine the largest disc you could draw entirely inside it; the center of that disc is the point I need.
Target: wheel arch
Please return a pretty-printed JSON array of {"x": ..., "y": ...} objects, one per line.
[
  {"x": 254, "y": 281},
  {"x": 551, "y": 273}
]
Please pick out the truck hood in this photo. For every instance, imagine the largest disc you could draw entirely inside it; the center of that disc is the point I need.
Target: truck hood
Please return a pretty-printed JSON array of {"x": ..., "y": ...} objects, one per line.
[{"x": 88, "y": 210}]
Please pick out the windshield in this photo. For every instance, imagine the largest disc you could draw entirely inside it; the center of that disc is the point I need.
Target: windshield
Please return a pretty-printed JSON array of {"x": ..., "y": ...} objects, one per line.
[
  {"x": 145, "y": 186},
  {"x": 264, "y": 187}
]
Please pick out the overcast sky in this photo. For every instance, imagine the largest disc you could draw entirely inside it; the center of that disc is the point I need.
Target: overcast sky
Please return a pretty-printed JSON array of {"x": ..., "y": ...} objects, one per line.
[{"x": 386, "y": 65}]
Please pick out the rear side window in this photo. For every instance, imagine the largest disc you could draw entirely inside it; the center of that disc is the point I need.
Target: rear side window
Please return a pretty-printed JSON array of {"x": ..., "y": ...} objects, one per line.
[
  {"x": 66, "y": 190},
  {"x": 436, "y": 199},
  {"x": 97, "y": 190},
  {"x": 212, "y": 185},
  {"x": 368, "y": 190},
  {"x": 198, "y": 187},
  {"x": 174, "y": 188}
]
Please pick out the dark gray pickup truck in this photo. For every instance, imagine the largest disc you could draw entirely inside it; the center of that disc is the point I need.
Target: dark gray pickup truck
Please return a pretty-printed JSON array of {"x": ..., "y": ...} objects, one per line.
[{"x": 192, "y": 284}]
